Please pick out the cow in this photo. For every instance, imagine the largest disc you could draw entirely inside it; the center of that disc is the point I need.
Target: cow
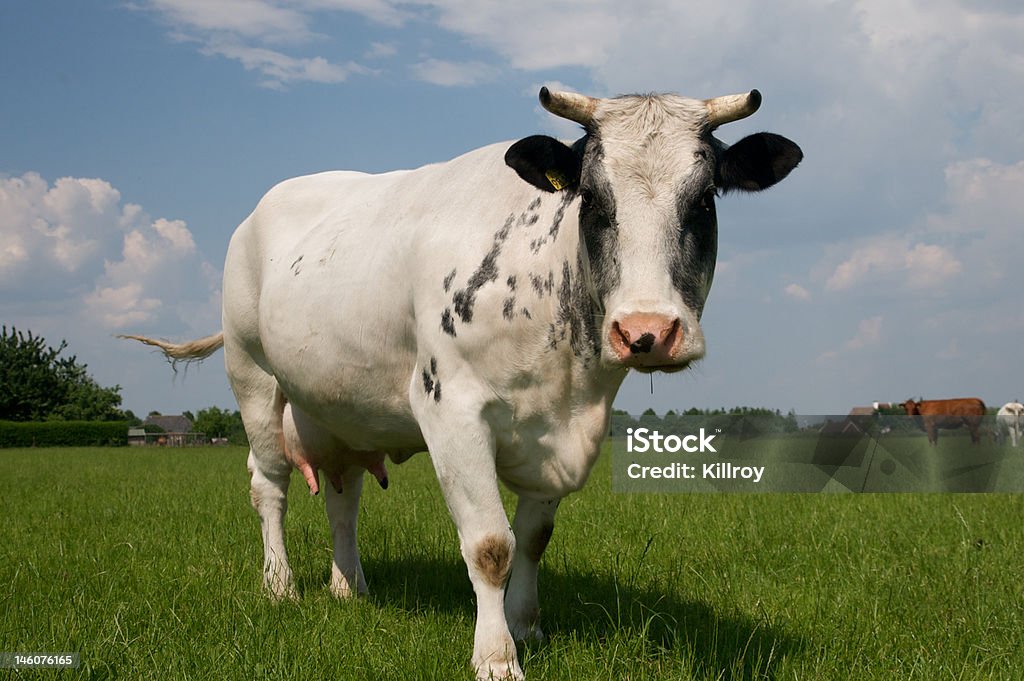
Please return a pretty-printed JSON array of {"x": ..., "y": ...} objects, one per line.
[
  {"x": 935, "y": 414},
  {"x": 1010, "y": 419},
  {"x": 486, "y": 309}
]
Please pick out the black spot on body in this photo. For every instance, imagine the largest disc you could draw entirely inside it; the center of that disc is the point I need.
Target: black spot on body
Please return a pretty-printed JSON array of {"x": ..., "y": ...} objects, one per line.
[
  {"x": 295, "y": 265},
  {"x": 448, "y": 281},
  {"x": 447, "y": 323},
  {"x": 508, "y": 310},
  {"x": 542, "y": 286},
  {"x": 431, "y": 382},
  {"x": 465, "y": 299},
  {"x": 556, "y": 224},
  {"x": 511, "y": 283}
]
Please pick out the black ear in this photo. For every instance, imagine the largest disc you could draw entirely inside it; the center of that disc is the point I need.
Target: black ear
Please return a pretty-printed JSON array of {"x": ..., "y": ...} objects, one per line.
[
  {"x": 757, "y": 162},
  {"x": 544, "y": 162}
]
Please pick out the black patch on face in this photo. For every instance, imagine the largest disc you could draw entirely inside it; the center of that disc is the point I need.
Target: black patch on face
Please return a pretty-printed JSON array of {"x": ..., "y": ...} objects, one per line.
[
  {"x": 448, "y": 281},
  {"x": 431, "y": 383},
  {"x": 598, "y": 224},
  {"x": 447, "y": 323},
  {"x": 696, "y": 247}
]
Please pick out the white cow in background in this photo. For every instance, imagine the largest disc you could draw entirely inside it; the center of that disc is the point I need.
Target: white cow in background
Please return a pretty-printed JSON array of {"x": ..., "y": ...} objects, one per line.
[
  {"x": 1010, "y": 420},
  {"x": 486, "y": 309}
]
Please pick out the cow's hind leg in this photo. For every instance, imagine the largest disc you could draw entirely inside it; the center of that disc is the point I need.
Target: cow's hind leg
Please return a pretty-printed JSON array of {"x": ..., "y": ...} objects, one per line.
[
  {"x": 347, "y": 578},
  {"x": 261, "y": 404},
  {"x": 269, "y": 492},
  {"x": 533, "y": 525}
]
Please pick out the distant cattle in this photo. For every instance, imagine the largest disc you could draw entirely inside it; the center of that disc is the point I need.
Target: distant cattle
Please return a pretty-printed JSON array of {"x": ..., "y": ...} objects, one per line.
[
  {"x": 935, "y": 414},
  {"x": 1010, "y": 420}
]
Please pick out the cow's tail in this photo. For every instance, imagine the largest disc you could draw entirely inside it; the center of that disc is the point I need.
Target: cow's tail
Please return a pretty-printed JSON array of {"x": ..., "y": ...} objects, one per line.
[{"x": 190, "y": 351}]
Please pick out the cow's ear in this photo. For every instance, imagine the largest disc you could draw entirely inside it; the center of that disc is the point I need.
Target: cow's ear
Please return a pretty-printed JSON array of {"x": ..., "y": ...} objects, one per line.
[
  {"x": 544, "y": 162},
  {"x": 757, "y": 162}
]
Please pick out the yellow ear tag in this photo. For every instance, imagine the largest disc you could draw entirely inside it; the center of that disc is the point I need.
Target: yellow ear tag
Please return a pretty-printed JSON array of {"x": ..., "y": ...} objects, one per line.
[{"x": 557, "y": 179}]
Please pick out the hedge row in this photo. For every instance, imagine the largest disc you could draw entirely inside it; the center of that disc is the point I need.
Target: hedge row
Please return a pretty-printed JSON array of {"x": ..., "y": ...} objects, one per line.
[{"x": 63, "y": 434}]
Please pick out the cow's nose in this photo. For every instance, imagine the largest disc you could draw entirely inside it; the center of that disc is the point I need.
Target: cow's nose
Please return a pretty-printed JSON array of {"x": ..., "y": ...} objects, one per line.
[{"x": 647, "y": 339}]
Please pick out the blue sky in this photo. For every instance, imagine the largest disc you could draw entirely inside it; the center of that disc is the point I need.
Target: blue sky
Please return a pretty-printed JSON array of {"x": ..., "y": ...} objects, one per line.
[{"x": 134, "y": 136}]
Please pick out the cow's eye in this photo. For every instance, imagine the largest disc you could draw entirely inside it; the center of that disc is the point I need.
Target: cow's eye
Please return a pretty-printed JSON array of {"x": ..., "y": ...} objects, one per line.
[
  {"x": 707, "y": 201},
  {"x": 587, "y": 198}
]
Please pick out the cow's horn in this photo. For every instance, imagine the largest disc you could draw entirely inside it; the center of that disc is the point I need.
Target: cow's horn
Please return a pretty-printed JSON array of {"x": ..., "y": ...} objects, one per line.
[
  {"x": 579, "y": 108},
  {"x": 729, "y": 108}
]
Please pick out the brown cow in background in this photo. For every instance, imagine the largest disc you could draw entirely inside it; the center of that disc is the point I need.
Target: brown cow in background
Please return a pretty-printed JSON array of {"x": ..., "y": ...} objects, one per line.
[{"x": 937, "y": 414}]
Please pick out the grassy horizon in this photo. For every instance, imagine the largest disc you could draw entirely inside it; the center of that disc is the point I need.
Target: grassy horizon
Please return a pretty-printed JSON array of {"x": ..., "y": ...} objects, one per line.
[{"x": 147, "y": 562}]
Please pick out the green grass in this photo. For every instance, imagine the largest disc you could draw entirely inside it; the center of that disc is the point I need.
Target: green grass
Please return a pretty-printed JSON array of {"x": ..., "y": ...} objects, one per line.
[{"x": 147, "y": 562}]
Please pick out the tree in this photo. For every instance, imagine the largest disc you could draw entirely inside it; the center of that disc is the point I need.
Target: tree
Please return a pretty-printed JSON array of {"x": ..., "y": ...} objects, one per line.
[
  {"x": 217, "y": 422},
  {"x": 37, "y": 384}
]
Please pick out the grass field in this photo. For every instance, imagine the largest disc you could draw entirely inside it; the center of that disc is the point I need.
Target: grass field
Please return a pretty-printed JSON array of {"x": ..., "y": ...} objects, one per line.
[{"x": 147, "y": 562}]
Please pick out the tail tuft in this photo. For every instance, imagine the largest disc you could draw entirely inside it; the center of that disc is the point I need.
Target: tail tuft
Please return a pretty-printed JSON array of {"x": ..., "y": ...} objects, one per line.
[{"x": 191, "y": 351}]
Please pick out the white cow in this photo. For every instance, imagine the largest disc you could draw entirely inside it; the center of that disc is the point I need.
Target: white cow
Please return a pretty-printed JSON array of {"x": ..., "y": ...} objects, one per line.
[
  {"x": 486, "y": 317},
  {"x": 1010, "y": 419}
]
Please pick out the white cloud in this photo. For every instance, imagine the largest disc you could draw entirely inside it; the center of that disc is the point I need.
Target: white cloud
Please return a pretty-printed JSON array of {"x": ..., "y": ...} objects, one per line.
[
  {"x": 245, "y": 30},
  {"x": 384, "y": 12},
  {"x": 797, "y": 292},
  {"x": 534, "y": 35},
  {"x": 893, "y": 261},
  {"x": 279, "y": 68},
  {"x": 869, "y": 334},
  {"x": 75, "y": 249},
  {"x": 453, "y": 74},
  {"x": 381, "y": 51},
  {"x": 118, "y": 307},
  {"x": 978, "y": 227},
  {"x": 982, "y": 196},
  {"x": 57, "y": 230},
  {"x": 248, "y": 18}
]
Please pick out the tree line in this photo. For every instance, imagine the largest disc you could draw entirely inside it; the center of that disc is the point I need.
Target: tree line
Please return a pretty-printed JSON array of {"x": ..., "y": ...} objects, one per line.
[
  {"x": 681, "y": 423},
  {"x": 40, "y": 382}
]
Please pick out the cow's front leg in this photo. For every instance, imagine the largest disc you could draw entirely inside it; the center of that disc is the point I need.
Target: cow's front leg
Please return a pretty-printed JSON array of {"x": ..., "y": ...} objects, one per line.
[
  {"x": 533, "y": 525},
  {"x": 463, "y": 457}
]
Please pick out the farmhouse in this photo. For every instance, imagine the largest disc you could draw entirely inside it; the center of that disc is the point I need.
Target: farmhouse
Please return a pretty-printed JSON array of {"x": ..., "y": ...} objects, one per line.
[{"x": 177, "y": 432}]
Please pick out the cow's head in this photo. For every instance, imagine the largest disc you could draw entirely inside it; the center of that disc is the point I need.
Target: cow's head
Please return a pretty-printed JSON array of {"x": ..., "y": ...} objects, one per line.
[
  {"x": 646, "y": 174},
  {"x": 911, "y": 407}
]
